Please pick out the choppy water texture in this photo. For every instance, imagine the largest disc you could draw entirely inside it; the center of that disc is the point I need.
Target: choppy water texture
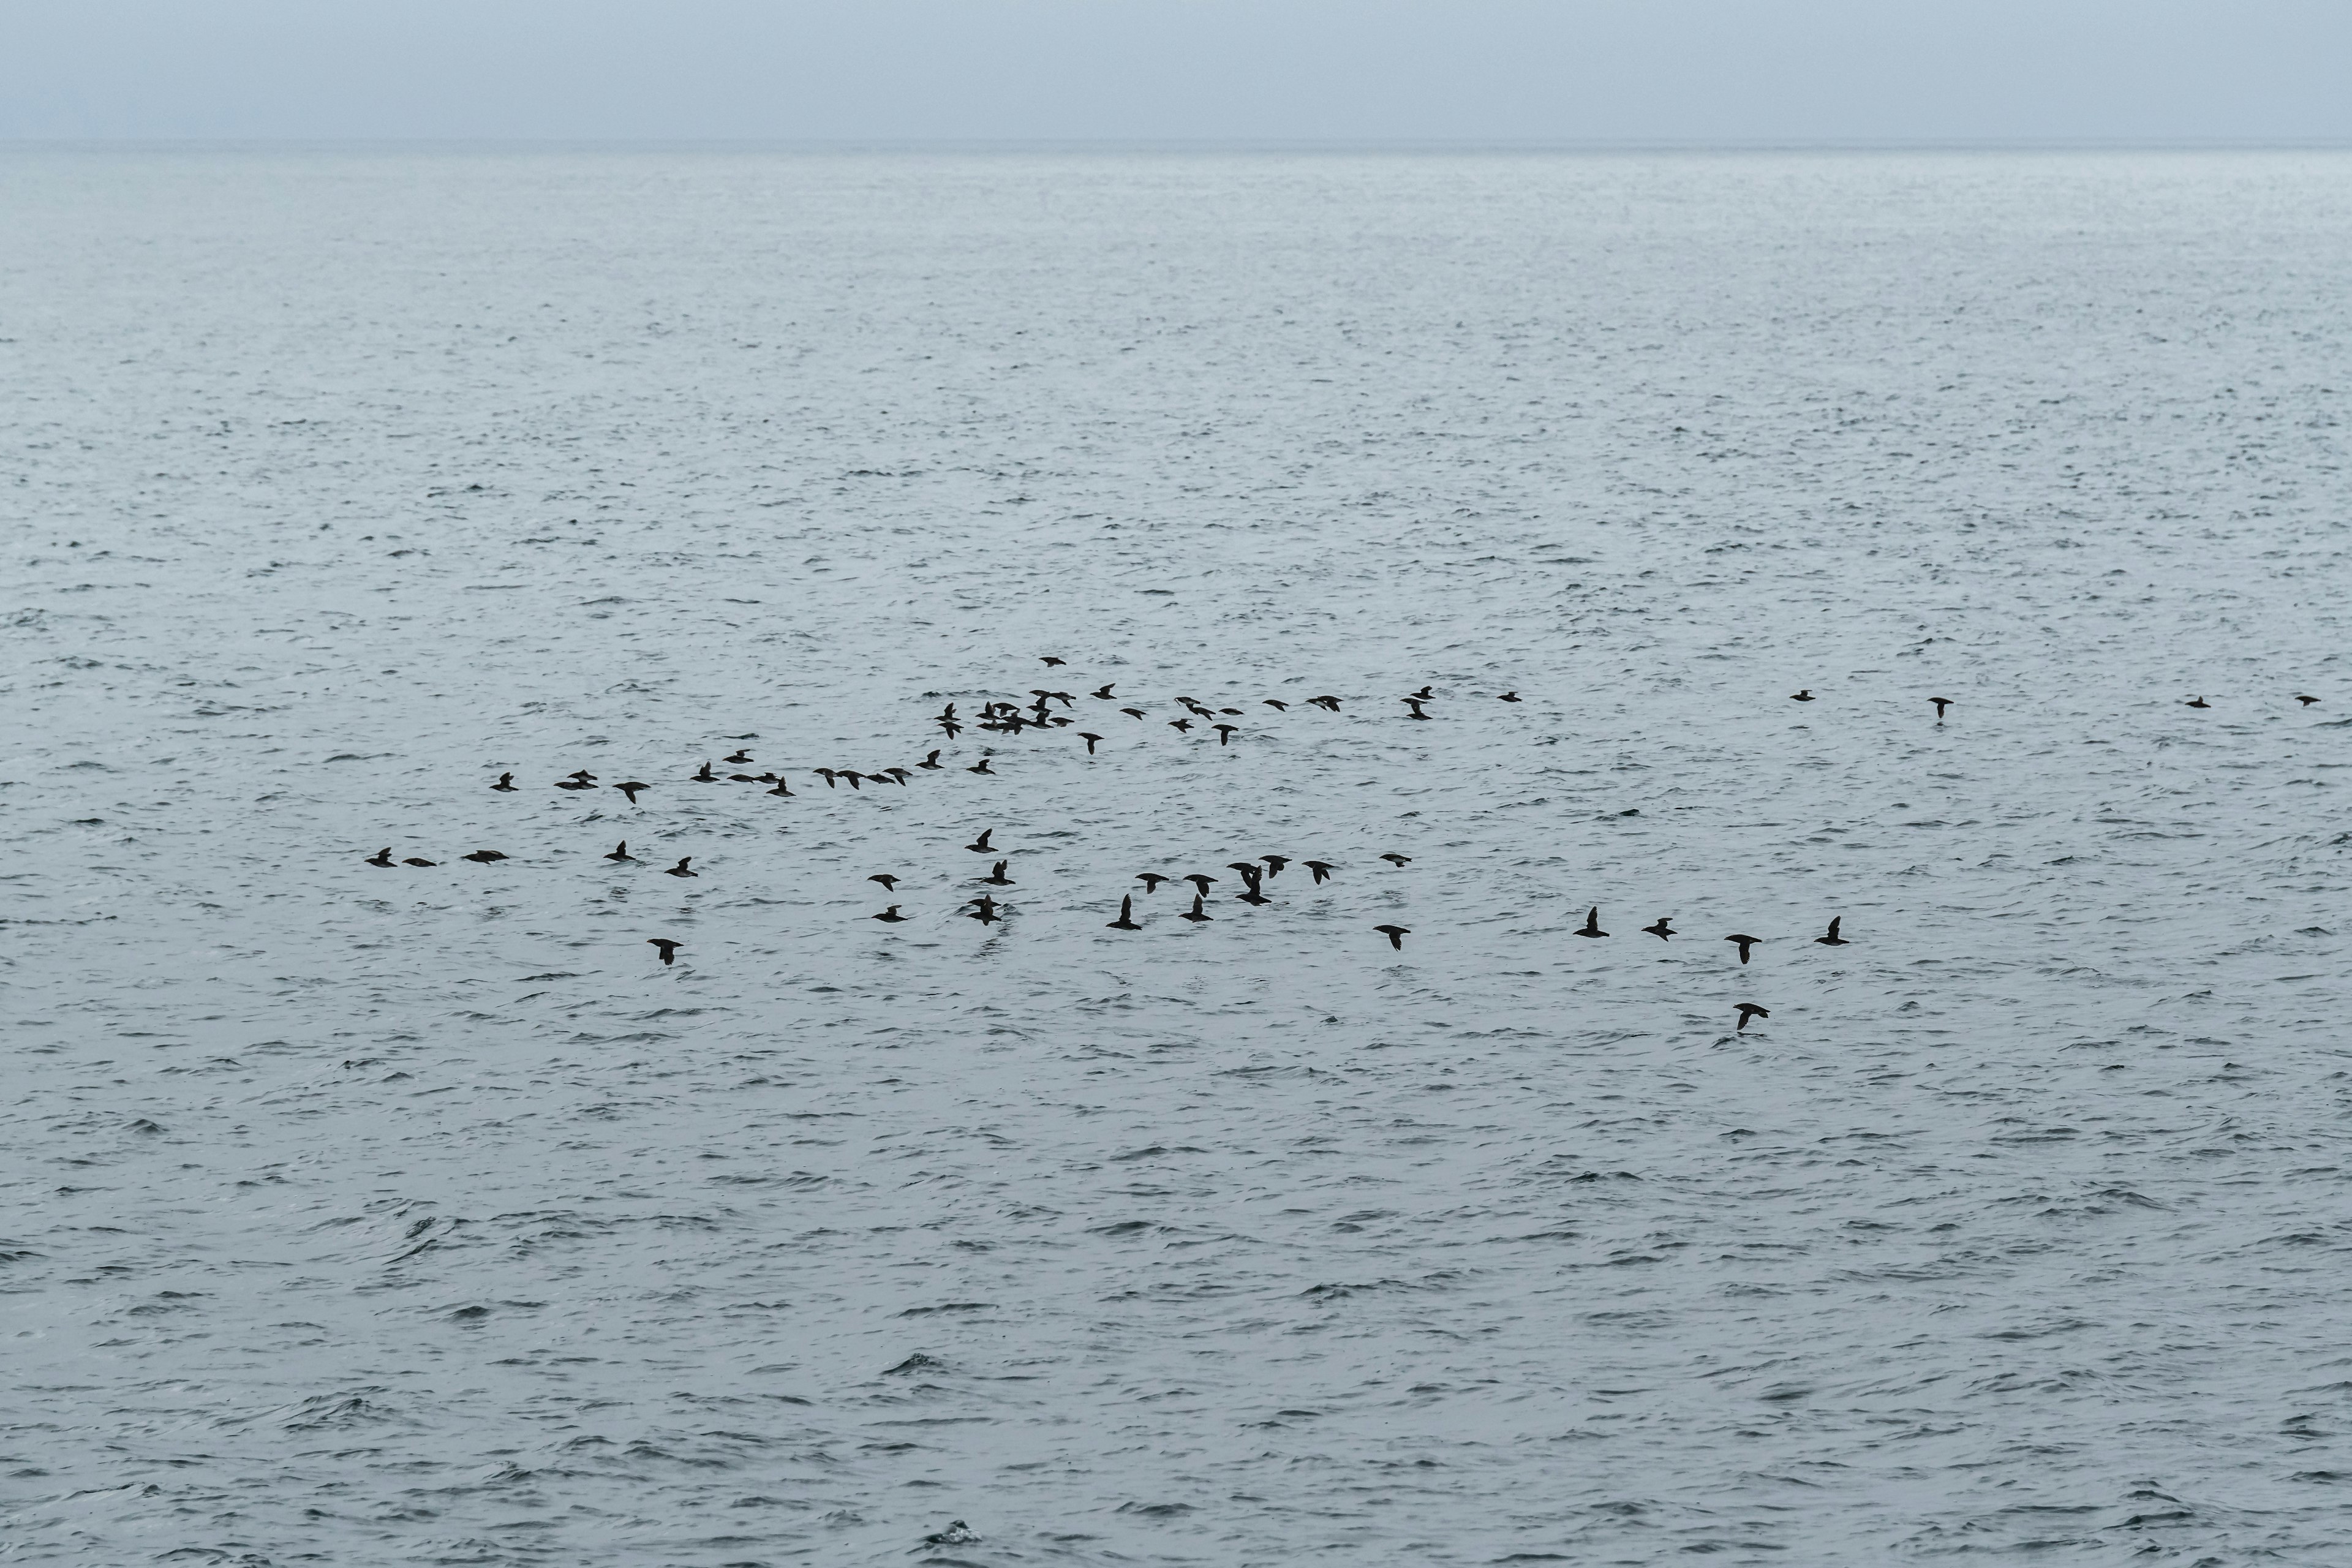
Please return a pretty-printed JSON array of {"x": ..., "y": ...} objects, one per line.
[{"x": 422, "y": 1216}]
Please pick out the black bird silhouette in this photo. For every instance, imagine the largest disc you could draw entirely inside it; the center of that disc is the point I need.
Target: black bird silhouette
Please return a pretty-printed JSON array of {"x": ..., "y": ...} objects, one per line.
[
  {"x": 1133, "y": 712},
  {"x": 781, "y": 788},
  {"x": 980, "y": 767},
  {"x": 998, "y": 876},
  {"x": 980, "y": 844},
  {"x": 1745, "y": 943},
  {"x": 890, "y": 914},
  {"x": 853, "y": 778},
  {"x": 931, "y": 761},
  {"x": 982, "y": 909},
  {"x": 483, "y": 857},
  {"x": 1185, "y": 724},
  {"x": 1103, "y": 690},
  {"x": 1426, "y": 694},
  {"x": 1089, "y": 738},
  {"x": 1226, "y": 734},
  {"x": 2196, "y": 702},
  {"x": 739, "y": 758},
  {"x": 668, "y": 948},
  {"x": 1196, "y": 914},
  {"x": 1592, "y": 923},
  {"x": 1749, "y": 1010},
  {"x": 1126, "y": 920},
  {"x": 1508, "y": 696},
  {"x": 1150, "y": 881},
  {"x": 1663, "y": 931},
  {"x": 1279, "y": 707},
  {"x": 1804, "y": 696},
  {"x": 1396, "y": 935},
  {"x": 1329, "y": 703},
  {"x": 1274, "y": 863},
  {"x": 621, "y": 852},
  {"x": 419, "y": 860},
  {"x": 382, "y": 857},
  {"x": 1199, "y": 880},
  {"x": 705, "y": 776},
  {"x": 573, "y": 784},
  {"x": 2306, "y": 701},
  {"x": 1049, "y": 659},
  {"x": 582, "y": 774},
  {"x": 680, "y": 868},
  {"x": 746, "y": 778},
  {"x": 506, "y": 784},
  {"x": 1832, "y": 939},
  {"x": 1414, "y": 703},
  {"x": 1941, "y": 703},
  {"x": 1322, "y": 869},
  {"x": 1393, "y": 858},
  {"x": 889, "y": 882},
  {"x": 631, "y": 789}
]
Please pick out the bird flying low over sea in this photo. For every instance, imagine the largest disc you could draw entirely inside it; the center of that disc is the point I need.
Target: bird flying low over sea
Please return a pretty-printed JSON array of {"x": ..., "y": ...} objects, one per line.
[
  {"x": 1832, "y": 939},
  {"x": 1199, "y": 880},
  {"x": 1330, "y": 704},
  {"x": 931, "y": 761},
  {"x": 1663, "y": 931},
  {"x": 1196, "y": 914},
  {"x": 1274, "y": 863},
  {"x": 1089, "y": 738},
  {"x": 980, "y": 767},
  {"x": 620, "y": 852},
  {"x": 980, "y": 844},
  {"x": 506, "y": 784},
  {"x": 1393, "y": 858},
  {"x": 1180, "y": 724},
  {"x": 982, "y": 909},
  {"x": 1103, "y": 691},
  {"x": 1396, "y": 935},
  {"x": 1941, "y": 703},
  {"x": 2196, "y": 702},
  {"x": 631, "y": 789},
  {"x": 1322, "y": 869},
  {"x": 739, "y": 757},
  {"x": 483, "y": 857},
  {"x": 1126, "y": 920},
  {"x": 382, "y": 857},
  {"x": 1508, "y": 696},
  {"x": 1749, "y": 1010},
  {"x": 1151, "y": 879},
  {"x": 1745, "y": 943},
  {"x": 1048, "y": 659},
  {"x": 889, "y": 882},
  {"x": 998, "y": 876},
  {"x": 1592, "y": 923},
  {"x": 667, "y": 947},
  {"x": 1134, "y": 712},
  {"x": 1804, "y": 696},
  {"x": 891, "y": 915},
  {"x": 2306, "y": 701},
  {"x": 680, "y": 868},
  {"x": 1226, "y": 734}
]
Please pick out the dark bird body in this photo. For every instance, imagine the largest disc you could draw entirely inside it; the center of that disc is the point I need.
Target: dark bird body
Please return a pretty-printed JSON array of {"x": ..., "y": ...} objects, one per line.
[
  {"x": 891, "y": 915},
  {"x": 382, "y": 857},
  {"x": 506, "y": 784},
  {"x": 1396, "y": 935},
  {"x": 668, "y": 948},
  {"x": 1196, "y": 914},
  {"x": 1322, "y": 869},
  {"x": 631, "y": 789},
  {"x": 1126, "y": 920},
  {"x": 1150, "y": 881},
  {"x": 980, "y": 844},
  {"x": 620, "y": 852},
  {"x": 1745, "y": 943},
  {"x": 1832, "y": 939},
  {"x": 483, "y": 857},
  {"x": 1663, "y": 931},
  {"x": 680, "y": 869},
  {"x": 1592, "y": 923},
  {"x": 1749, "y": 1010}
]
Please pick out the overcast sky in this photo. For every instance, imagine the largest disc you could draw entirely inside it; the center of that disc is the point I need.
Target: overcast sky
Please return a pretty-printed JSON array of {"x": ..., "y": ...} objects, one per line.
[{"x": 1286, "y": 70}]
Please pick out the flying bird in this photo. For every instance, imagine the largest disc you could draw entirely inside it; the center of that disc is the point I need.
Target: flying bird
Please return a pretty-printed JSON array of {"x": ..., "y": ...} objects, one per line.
[
  {"x": 1226, "y": 734},
  {"x": 631, "y": 789},
  {"x": 705, "y": 776},
  {"x": 1592, "y": 923},
  {"x": 419, "y": 860},
  {"x": 1832, "y": 939},
  {"x": 1278, "y": 706},
  {"x": 483, "y": 857},
  {"x": 1508, "y": 696},
  {"x": 620, "y": 852},
  {"x": 1396, "y": 935},
  {"x": 1184, "y": 724},
  {"x": 980, "y": 767},
  {"x": 1414, "y": 703},
  {"x": 1804, "y": 696},
  {"x": 680, "y": 868},
  {"x": 1133, "y": 712},
  {"x": 1749, "y": 1010},
  {"x": 998, "y": 876},
  {"x": 980, "y": 844},
  {"x": 889, "y": 882},
  {"x": 1049, "y": 659},
  {"x": 1745, "y": 943},
  {"x": 1393, "y": 858},
  {"x": 1089, "y": 738},
  {"x": 1329, "y": 703},
  {"x": 2306, "y": 701},
  {"x": 382, "y": 857},
  {"x": 983, "y": 909},
  {"x": 668, "y": 948},
  {"x": 1941, "y": 703},
  {"x": 1274, "y": 863},
  {"x": 1103, "y": 691},
  {"x": 506, "y": 784},
  {"x": 1199, "y": 880},
  {"x": 1662, "y": 931},
  {"x": 1126, "y": 920},
  {"x": 1150, "y": 881},
  {"x": 739, "y": 758},
  {"x": 1196, "y": 914},
  {"x": 931, "y": 761},
  {"x": 2196, "y": 702},
  {"x": 1322, "y": 869},
  {"x": 573, "y": 784},
  {"x": 891, "y": 915}
]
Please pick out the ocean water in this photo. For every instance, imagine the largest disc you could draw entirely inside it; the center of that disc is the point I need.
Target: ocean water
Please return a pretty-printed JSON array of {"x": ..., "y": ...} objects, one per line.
[{"x": 422, "y": 1216}]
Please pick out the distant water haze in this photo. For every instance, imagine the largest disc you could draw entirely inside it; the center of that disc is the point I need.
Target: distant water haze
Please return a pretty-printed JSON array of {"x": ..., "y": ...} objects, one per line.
[
  {"x": 1671, "y": 71},
  {"x": 417, "y": 1213}
]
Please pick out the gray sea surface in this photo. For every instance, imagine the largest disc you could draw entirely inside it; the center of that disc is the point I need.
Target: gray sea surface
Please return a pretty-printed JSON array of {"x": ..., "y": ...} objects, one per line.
[{"x": 421, "y": 1215}]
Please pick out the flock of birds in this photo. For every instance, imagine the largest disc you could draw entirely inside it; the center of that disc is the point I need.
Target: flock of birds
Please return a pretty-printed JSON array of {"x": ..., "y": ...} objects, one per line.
[{"x": 1006, "y": 718}]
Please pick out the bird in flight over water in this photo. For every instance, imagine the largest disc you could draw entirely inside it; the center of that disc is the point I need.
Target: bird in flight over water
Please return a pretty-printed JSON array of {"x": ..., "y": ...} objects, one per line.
[{"x": 1749, "y": 1010}]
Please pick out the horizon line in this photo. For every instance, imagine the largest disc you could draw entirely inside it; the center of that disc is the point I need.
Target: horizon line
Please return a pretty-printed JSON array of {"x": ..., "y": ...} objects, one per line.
[{"x": 1231, "y": 145}]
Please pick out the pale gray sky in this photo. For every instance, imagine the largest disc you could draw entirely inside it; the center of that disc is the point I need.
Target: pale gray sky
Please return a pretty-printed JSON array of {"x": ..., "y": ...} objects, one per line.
[{"x": 1509, "y": 70}]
